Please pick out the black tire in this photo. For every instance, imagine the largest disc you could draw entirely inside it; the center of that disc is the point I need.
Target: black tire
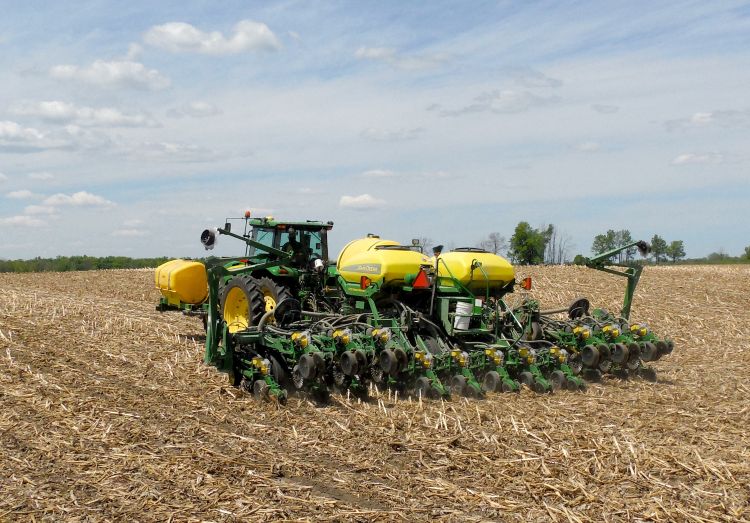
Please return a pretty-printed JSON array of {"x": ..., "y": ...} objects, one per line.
[
  {"x": 388, "y": 361},
  {"x": 491, "y": 381},
  {"x": 526, "y": 378},
  {"x": 255, "y": 292},
  {"x": 422, "y": 387},
  {"x": 649, "y": 352},
  {"x": 579, "y": 308},
  {"x": 458, "y": 384},
  {"x": 349, "y": 363},
  {"x": 590, "y": 356},
  {"x": 620, "y": 353},
  {"x": 634, "y": 356},
  {"x": 575, "y": 363},
  {"x": 558, "y": 379}
]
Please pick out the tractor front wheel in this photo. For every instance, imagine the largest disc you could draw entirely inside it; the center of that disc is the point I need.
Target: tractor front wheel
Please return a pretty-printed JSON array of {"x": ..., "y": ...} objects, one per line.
[{"x": 244, "y": 300}]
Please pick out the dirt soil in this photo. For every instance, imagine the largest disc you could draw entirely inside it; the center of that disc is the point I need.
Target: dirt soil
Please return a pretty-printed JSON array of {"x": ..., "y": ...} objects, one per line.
[{"x": 108, "y": 413}]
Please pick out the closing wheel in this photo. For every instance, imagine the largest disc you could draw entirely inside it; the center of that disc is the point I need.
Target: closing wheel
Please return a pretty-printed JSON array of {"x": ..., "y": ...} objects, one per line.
[
  {"x": 649, "y": 352},
  {"x": 605, "y": 357},
  {"x": 590, "y": 356},
  {"x": 661, "y": 348},
  {"x": 388, "y": 362},
  {"x": 578, "y": 308},
  {"x": 571, "y": 385},
  {"x": 260, "y": 390},
  {"x": 401, "y": 358},
  {"x": 491, "y": 381},
  {"x": 422, "y": 386},
  {"x": 349, "y": 363},
  {"x": 634, "y": 356},
  {"x": 297, "y": 378},
  {"x": 458, "y": 384},
  {"x": 472, "y": 392},
  {"x": 307, "y": 366},
  {"x": 526, "y": 378},
  {"x": 558, "y": 379},
  {"x": 539, "y": 387},
  {"x": 575, "y": 363},
  {"x": 507, "y": 387},
  {"x": 620, "y": 353}
]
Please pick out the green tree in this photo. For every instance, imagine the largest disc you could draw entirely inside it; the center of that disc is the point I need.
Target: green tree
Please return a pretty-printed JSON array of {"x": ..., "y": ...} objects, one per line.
[
  {"x": 747, "y": 252},
  {"x": 527, "y": 245},
  {"x": 658, "y": 248},
  {"x": 675, "y": 250},
  {"x": 604, "y": 242}
]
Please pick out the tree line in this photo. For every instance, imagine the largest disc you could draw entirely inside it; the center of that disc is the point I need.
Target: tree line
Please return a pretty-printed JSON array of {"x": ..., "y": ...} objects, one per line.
[{"x": 78, "y": 263}]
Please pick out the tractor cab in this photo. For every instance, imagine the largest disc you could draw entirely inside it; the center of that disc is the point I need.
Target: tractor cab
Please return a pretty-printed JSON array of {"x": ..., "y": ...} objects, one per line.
[{"x": 305, "y": 242}]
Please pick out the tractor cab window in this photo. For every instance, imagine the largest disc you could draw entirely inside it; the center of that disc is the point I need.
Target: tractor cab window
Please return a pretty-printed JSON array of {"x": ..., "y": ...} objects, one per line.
[
  {"x": 264, "y": 236},
  {"x": 306, "y": 245}
]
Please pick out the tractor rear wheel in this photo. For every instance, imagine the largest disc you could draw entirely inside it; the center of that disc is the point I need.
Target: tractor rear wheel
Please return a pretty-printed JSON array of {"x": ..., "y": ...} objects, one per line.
[{"x": 244, "y": 300}]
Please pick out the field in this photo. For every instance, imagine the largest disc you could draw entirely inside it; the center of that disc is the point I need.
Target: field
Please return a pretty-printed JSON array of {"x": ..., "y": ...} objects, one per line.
[{"x": 107, "y": 413}]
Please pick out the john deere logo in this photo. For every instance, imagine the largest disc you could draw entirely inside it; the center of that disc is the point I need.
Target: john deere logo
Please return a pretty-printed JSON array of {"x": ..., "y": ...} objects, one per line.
[{"x": 363, "y": 268}]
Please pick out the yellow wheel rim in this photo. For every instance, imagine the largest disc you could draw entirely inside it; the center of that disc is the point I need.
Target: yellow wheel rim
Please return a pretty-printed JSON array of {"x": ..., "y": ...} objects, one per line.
[
  {"x": 236, "y": 310},
  {"x": 270, "y": 302}
]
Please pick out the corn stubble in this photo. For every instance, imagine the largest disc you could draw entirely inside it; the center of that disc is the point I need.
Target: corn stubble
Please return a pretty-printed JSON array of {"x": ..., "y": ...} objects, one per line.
[{"x": 108, "y": 413}]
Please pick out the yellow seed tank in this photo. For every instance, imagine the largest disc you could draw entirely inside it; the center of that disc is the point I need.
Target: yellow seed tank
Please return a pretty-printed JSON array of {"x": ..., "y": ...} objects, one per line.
[
  {"x": 371, "y": 257},
  {"x": 495, "y": 270},
  {"x": 182, "y": 281}
]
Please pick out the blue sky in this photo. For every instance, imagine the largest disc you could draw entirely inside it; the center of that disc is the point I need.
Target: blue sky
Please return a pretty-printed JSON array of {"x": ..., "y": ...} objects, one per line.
[{"x": 128, "y": 128}]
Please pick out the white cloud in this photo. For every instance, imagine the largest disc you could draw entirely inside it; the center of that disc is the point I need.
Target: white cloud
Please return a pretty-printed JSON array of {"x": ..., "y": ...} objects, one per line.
[
  {"x": 436, "y": 175},
  {"x": 378, "y": 173},
  {"x": 375, "y": 53},
  {"x": 726, "y": 118},
  {"x": 64, "y": 112},
  {"x": 604, "y": 108},
  {"x": 181, "y": 152},
  {"x": 403, "y": 62},
  {"x": 39, "y": 209},
  {"x": 196, "y": 109},
  {"x": 116, "y": 73},
  {"x": 79, "y": 199},
  {"x": 588, "y": 147},
  {"x": 23, "y": 194},
  {"x": 180, "y": 37},
  {"x": 42, "y": 176},
  {"x": 697, "y": 159},
  {"x": 22, "y": 221},
  {"x": 503, "y": 101},
  {"x": 531, "y": 78},
  {"x": 132, "y": 223},
  {"x": 134, "y": 52},
  {"x": 3, "y": 178},
  {"x": 129, "y": 233},
  {"x": 360, "y": 202},
  {"x": 382, "y": 135},
  {"x": 12, "y": 132}
]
